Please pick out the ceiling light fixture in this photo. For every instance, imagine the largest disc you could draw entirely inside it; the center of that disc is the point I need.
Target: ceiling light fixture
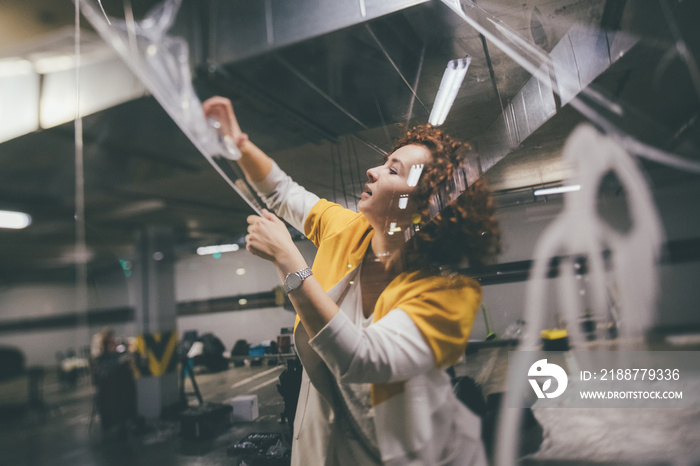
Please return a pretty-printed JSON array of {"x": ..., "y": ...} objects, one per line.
[
  {"x": 449, "y": 86},
  {"x": 14, "y": 220},
  {"x": 557, "y": 190},
  {"x": 218, "y": 249}
]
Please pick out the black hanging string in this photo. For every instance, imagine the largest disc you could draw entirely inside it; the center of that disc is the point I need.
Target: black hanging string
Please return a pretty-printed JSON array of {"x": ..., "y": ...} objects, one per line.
[
  {"x": 342, "y": 177},
  {"x": 353, "y": 190}
]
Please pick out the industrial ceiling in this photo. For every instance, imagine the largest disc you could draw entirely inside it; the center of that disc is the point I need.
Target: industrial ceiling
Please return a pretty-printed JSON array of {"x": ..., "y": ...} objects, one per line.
[{"x": 324, "y": 87}]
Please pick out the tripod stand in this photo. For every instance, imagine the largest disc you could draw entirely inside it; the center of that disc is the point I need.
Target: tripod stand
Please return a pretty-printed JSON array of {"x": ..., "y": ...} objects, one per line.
[{"x": 187, "y": 370}]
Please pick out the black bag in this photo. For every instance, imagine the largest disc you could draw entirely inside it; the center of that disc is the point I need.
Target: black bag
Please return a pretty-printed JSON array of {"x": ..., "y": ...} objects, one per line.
[
  {"x": 206, "y": 421},
  {"x": 240, "y": 349},
  {"x": 213, "y": 353},
  {"x": 470, "y": 394}
]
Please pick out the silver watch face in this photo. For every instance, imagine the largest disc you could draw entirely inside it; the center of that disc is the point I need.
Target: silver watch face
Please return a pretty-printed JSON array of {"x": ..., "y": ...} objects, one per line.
[{"x": 292, "y": 282}]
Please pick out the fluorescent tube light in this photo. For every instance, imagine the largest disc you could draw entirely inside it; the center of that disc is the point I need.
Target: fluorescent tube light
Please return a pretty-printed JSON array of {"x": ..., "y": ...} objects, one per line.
[
  {"x": 218, "y": 249},
  {"x": 558, "y": 190},
  {"x": 14, "y": 220},
  {"x": 449, "y": 86}
]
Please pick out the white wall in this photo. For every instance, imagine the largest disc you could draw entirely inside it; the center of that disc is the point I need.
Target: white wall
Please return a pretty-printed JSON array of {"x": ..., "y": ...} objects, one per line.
[
  {"x": 196, "y": 278},
  {"x": 234, "y": 273},
  {"x": 39, "y": 300},
  {"x": 679, "y": 293}
]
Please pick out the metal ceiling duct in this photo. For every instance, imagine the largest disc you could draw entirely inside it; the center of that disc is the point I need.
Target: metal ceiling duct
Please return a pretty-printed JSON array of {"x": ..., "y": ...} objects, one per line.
[
  {"x": 242, "y": 29},
  {"x": 316, "y": 68},
  {"x": 582, "y": 55}
]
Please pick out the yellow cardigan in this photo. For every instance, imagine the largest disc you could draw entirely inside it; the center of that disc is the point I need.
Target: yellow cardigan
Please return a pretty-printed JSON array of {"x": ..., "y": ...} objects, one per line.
[{"x": 442, "y": 307}]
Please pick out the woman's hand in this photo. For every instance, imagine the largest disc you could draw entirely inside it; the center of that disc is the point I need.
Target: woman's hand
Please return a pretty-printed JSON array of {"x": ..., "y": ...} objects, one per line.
[
  {"x": 269, "y": 238},
  {"x": 254, "y": 162},
  {"x": 221, "y": 110}
]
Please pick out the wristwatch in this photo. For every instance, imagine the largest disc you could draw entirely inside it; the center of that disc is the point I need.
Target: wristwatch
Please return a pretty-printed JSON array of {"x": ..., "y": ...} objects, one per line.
[{"x": 294, "y": 280}]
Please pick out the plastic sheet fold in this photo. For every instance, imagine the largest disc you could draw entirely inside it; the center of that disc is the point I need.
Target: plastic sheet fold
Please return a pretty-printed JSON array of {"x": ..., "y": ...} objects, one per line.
[{"x": 161, "y": 62}]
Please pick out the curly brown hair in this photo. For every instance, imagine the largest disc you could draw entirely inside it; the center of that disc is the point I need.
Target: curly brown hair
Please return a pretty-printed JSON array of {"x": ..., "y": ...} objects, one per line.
[{"x": 466, "y": 228}]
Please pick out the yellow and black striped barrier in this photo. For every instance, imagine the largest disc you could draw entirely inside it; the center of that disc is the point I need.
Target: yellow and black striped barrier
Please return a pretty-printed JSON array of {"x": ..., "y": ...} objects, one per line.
[{"x": 157, "y": 354}]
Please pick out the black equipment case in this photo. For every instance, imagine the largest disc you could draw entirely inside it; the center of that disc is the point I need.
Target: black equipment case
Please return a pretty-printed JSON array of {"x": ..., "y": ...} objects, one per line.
[{"x": 205, "y": 421}]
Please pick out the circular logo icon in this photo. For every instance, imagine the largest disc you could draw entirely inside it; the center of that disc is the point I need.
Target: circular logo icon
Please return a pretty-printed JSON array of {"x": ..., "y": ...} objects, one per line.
[{"x": 541, "y": 369}]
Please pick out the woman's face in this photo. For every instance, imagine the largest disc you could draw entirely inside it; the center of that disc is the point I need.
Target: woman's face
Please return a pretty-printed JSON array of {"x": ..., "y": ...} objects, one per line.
[{"x": 385, "y": 199}]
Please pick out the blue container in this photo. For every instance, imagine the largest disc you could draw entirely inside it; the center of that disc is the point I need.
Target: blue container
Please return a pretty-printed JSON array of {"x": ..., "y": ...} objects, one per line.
[{"x": 258, "y": 350}]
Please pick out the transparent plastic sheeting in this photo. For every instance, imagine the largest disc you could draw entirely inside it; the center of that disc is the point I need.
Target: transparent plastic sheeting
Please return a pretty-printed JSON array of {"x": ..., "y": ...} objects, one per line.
[
  {"x": 587, "y": 99},
  {"x": 580, "y": 231},
  {"x": 161, "y": 62},
  {"x": 629, "y": 289}
]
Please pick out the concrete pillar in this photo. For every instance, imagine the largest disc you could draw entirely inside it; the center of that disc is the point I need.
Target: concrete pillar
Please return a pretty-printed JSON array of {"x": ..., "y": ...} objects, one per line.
[{"x": 153, "y": 293}]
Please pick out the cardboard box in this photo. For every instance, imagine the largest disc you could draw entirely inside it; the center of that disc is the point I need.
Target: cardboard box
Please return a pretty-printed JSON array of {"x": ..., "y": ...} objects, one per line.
[{"x": 245, "y": 408}]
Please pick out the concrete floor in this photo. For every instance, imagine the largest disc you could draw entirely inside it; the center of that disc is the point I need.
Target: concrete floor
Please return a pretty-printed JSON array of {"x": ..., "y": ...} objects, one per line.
[{"x": 62, "y": 434}]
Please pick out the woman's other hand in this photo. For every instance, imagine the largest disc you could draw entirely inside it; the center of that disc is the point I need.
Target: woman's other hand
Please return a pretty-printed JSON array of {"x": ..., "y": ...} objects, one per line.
[
  {"x": 221, "y": 110},
  {"x": 269, "y": 238}
]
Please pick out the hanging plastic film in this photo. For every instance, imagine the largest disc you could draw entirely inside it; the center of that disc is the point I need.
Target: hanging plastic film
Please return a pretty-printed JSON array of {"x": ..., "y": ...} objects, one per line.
[
  {"x": 161, "y": 62},
  {"x": 579, "y": 231},
  {"x": 558, "y": 79},
  {"x": 556, "y": 72}
]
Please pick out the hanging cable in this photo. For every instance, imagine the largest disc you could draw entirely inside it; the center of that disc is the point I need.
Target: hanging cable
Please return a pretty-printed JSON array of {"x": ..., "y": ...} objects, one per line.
[
  {"x": 357, "y": 161},
  {"x": 342, "y": 177},
  {"x": 388, "y": 57},
  {"x": 353, "y": 188},
  {"x": 381, "y": 116},
  {"x": 370, "y": 144},
  {"x": 415, "y": 86},
  {"x": 335, "y": 191},
  {"x": 318, "y": 90},
  {"x": 80, "y": 253}
]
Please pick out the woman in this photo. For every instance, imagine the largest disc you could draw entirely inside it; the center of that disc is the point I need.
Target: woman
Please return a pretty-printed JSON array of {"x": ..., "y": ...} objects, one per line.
[{"x": 380, "y": 318}]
